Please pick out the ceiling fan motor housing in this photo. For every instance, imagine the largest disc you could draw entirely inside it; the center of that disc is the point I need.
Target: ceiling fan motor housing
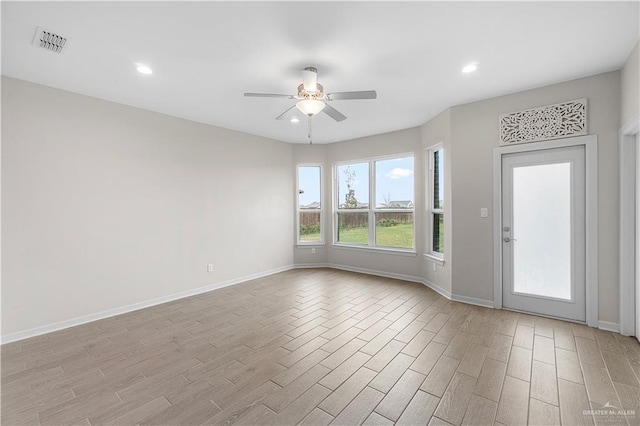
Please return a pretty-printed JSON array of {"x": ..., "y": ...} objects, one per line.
[{"x": 318, "y": 94}]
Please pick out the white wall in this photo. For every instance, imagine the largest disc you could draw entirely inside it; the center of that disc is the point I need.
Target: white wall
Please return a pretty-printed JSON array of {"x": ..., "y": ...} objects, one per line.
[
  {"x": 475, "y": 134},
  {"x": 105, "y": 205},
  {"x": 630, "y": 86}
]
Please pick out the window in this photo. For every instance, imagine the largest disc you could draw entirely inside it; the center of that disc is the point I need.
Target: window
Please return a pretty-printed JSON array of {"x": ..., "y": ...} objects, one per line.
[
  {"x": 435, "y": 207},
  {"x": 310, "y": 205},
  {"x": 353, "y": 203},
  {"x": 375, "y": 203}
]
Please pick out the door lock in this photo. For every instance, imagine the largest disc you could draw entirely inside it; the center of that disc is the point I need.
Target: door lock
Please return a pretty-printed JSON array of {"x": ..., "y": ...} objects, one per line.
[{"x": 506, "y": 229}]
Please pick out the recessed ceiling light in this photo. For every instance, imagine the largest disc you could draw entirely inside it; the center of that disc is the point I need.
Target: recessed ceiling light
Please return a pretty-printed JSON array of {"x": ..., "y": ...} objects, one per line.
[
  {"x": 143, "y": 69},
  {"x": 295, "y": 120},
  {"x": 470, "y": 67}
]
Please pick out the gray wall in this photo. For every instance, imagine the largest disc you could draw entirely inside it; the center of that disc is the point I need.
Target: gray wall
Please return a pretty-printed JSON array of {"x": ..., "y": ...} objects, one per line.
[
  {"x": 401, "y": 142},
  {"x": 475, "y": 134},
  {"x": 105, "y": 205},
  {"x": 630, "y": 86},
  {"x": 415, "y": 141},
  {"x": 404, "y": 141},
  {"x": 469, "y": 133}
]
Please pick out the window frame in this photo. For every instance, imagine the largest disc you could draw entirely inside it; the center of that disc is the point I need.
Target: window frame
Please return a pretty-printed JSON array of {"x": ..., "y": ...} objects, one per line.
[
  {"x": 430, "y": 253},
  {"x": 371, "y": 210},
  {"x": 321, "y": 210}
]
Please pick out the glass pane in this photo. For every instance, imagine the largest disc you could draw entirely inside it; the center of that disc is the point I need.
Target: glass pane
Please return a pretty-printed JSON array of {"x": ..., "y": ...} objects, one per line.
[
  {"x": 309, "y": 187},
  {"x": 542, "y": 229},
  {"x": 394, "y": 183},
  {"x": 438, "y": 233},
  {"x": 353, "y": 228},
  {"x": 438, "y": 180},
  {"x": 310, "y": 226},
  {"x": 353, "y": 186},
  {"x": 394, "y": 229}
]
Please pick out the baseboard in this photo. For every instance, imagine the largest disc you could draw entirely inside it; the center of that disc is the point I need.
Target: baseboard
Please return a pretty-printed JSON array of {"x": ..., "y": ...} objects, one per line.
[
  {"x": 458, "y": 298},
  {"x": 473, "y": 301},
  {"x": 464, "y": 299},
  {"x": 437, "y": 288},
  {"x": 603, "y": 325},
  {"x": 310, "y": 265},
  {"x": 375, "y": 272},
  {"x": 20, "y": 335},
  {"x": 609, "y": 326}
]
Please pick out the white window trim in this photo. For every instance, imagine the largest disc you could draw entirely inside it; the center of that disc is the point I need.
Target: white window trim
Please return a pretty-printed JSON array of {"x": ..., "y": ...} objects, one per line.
[
  {"x": 377, "y": 249},
  {"x": 435, "y": 259},
  {"x": 430, "y": 254},
  {"x": 321, "y": 210},
  {"x": 371, "y": 210}
]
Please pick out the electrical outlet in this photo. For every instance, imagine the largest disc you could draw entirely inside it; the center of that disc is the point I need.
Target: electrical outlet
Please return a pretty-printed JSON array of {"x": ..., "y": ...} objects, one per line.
[
  {"x": 210, "y": 267},
  {"x": 484, "y": 212},
  {"x": 313, "y": 250},
  {"x": 433, "y": 266}
]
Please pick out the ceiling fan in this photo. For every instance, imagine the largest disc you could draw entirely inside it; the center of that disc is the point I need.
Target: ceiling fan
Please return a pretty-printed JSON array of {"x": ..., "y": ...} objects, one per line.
[{"x": 312, "y": 99}]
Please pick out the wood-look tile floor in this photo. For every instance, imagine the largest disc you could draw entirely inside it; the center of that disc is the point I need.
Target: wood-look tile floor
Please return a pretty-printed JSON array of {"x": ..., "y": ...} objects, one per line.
[{"x": 318, "y": 347}]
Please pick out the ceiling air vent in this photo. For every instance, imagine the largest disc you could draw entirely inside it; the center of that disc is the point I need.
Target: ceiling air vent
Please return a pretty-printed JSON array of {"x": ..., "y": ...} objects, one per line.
[{"x": 50, "y": 41}]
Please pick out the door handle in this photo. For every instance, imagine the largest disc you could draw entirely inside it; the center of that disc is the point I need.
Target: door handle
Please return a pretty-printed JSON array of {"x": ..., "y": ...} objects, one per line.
[{"x": 507, "y": 239}]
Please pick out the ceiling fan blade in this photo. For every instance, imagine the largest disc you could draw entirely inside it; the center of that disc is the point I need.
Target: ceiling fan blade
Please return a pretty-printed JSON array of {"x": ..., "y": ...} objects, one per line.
[
  {"x": 269, "y": 95},
  {"x": 364, "y": 94},
  {"x": 334, "y": 113},
  {"x": 281, "y": 116},
  {"x": 310, "y": 79}
]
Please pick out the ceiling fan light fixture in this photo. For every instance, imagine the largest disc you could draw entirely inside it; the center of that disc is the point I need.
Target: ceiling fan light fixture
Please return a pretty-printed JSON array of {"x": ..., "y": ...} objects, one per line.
[{"x": 310, "y": 106}]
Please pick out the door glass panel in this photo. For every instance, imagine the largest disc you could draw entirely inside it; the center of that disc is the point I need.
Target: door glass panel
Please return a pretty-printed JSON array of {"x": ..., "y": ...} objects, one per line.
[{"x": 542, "y": 230}]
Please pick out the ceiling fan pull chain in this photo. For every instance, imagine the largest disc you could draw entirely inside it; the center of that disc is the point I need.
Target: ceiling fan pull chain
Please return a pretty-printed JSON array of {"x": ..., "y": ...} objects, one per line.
[{"x": 310, "y": 141}]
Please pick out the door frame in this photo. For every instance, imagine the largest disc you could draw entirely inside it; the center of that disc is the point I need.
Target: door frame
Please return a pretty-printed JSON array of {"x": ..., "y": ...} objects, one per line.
[
  {"x": 590, "y": 143},
  {"x": 627, "y": 146}
]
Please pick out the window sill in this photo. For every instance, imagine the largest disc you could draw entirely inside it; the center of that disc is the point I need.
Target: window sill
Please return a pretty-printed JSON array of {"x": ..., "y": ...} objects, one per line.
[
  {"x": 434, "y": 259},
  {"x": 381, "y": 250},
  {"x": 310, "y": 245}
]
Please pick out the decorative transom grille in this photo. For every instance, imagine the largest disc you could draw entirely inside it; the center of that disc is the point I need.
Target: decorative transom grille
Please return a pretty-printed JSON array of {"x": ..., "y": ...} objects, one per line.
[{"x": 544, "y": 123}]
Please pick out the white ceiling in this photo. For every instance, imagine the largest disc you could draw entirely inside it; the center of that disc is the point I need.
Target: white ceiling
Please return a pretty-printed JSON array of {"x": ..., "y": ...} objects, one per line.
[{"x": 205, "y": 55}]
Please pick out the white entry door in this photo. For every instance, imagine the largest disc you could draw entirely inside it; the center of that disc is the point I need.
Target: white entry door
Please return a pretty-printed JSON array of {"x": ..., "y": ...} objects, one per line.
[{"x": 543, "y": 232}]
